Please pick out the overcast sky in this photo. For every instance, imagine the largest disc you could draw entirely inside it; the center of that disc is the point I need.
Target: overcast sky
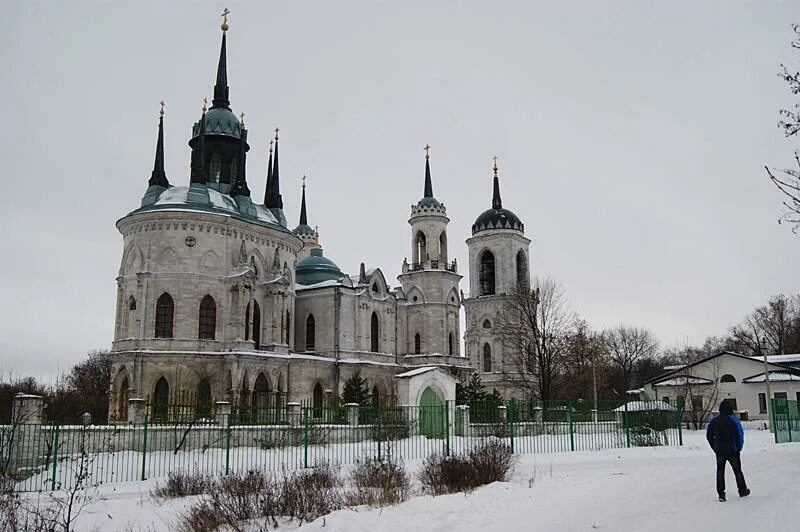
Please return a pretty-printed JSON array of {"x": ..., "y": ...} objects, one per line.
[{"x": 631, "y": 140}]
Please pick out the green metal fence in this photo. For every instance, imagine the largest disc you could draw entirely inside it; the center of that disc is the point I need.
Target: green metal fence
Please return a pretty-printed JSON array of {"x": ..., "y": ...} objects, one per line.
[
  {"x": 47, "y": 456},
  {"x": 786, "y": 420}
]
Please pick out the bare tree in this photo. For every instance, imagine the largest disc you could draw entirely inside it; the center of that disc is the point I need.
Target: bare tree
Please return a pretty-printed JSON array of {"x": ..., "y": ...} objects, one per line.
[
  {"x": 788, "y": 180},
  {"x": 534, "y": 329},
  {"x": 699, "y": 398},
  {"x": 626, "y": 346},
  {"x": 771, "y": 329}
]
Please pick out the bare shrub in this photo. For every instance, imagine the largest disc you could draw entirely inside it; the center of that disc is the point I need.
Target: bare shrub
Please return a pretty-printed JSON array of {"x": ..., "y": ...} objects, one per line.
[
  {"x": 9, "y": 505},
  {"x": 377, "y": 483},
  {"x": 308, "y": 494},
  {"x": 491, "y": 462},
  {"x": 180, "y": 484}
]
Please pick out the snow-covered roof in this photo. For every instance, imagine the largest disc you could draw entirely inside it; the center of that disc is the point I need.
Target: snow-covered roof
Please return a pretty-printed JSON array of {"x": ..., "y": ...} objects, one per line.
[
  {"x": 780, "y": 359},
  {"x": 414, "y": 372},
  {"x": 644, "y": 406},
  {"x": 683, "y": 381},
  {"x": 774, "y": 376}
]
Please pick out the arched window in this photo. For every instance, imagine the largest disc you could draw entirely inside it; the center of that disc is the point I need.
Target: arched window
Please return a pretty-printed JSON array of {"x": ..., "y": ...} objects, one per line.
[
  {"x": 165, "y": 310},
  {"x": 234, "y": 170},
  {"x": 261, "y": 390},
  {"x": 450, "y": 350},
  {"x": 375, "y": 288},
  {"x": 207, "y": 321},
  {"x": 244, "y": 396},
  {"x": 253, "y": 266},
  {"x": 420, "y": 247},
  {"x": 374, "y": 332},
  {"x": 256, "y": 324},
  {"x": 130, "y": 320},
  {"x": 215, "y": 169},
  {"x": 247, "y": 322},
  {"x": 161, "y": 399},
  {"x": 417, "y": 344},
  {"x": 376, "y": 396},
  {"x": 443, "y": 247},
  {"x": 487, "y": 324},
  {"x": 316, "y": 400},
  {"x": 522, "y": 271},
  {"x": 311, "y": 333},
  {"x": 486, "y": 273},
  {"x": 131, "y": 303},
  {"x": 203, "y": 399},
  {"x": 487, "y": 358},
  {"x": 288, "y": 326},
  {"x": 122, "y": 400},
  {"x": 727, "y": 378}
]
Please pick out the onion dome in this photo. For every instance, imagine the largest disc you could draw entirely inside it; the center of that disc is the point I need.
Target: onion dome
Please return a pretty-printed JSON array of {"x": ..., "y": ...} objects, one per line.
[
  {"x": 316, "y": 269},
  {"x": 497, "y": 217}
]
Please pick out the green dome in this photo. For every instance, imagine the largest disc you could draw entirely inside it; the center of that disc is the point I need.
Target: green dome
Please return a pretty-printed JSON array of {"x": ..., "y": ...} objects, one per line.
[
  {"x": 317, "y": 269},
  {"x": 303, "y": 229},
  {"x": 220, "y": 121},
  {"x": 428, "y": 201}
]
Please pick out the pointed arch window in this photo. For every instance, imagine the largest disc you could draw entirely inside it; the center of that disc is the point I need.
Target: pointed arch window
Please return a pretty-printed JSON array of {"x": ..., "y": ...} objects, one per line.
[
  {"x": 165, "y": 311},
  {"x": 486, "y": 269},
  {"x": 375, "y": 330},
  {"x": 215, "y": 169},
  {"x": 376, "y": 396},
  {"x": 203, "y": 399},
  {"x": 417, "y": 344},
  {"x": 207, "y": 320},
  {"x": 522, "y": 271},
  {"x": 247, "y": 322},
  {"x": 443, "y": 247},
  {"x": 420, "y": 247},
  {"x": 311, "y": 333},
  {"x": 122, "y": 399},
  {"x": 450, "y": 345},
  {"x": 161, "y": 399},
  {"x": 487, "y": 358},
  {"x": 317, "y": 400},
  {"x": 256, "y": 324},
  {"x": 288, "y": 326}
]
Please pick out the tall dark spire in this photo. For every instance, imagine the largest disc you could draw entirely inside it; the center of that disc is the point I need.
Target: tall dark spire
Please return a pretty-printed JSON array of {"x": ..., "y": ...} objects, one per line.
[
  {"x": 497, "y": 202},
  {"x": 273, "y": 199},
  {"x": 269, "y": 174},
  {"x": 428, "y": 182},
  {"x": 221, "y": 87},
  {"x": 159, "y": 176},
  {"x": 303, "y": 217},
  {"x": 198, "y": 173}
]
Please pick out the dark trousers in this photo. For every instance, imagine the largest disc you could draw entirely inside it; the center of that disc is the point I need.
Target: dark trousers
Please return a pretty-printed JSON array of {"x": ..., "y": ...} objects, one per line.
[{"x": 736, "y": 465}]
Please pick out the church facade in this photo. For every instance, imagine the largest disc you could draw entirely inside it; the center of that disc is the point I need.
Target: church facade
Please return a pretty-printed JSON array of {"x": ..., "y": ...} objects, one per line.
[{"x": 219, "y": 299}]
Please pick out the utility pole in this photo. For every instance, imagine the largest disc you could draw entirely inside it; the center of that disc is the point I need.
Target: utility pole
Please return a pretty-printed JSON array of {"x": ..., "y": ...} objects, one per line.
[{"x": 769, "y": 392}]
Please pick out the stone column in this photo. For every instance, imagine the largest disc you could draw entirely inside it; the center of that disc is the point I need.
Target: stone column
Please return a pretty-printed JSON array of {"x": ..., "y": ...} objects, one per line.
[
  {"x": 463, "y": 413},
  {"x": 136, "y": 410},
  {"x": 223, "y": 413},
  {"x": 27, "y": 409},
  {"x": 352, "y": 414},
  {"x": 295, "y": 414},
  {"x": 27, "y": 415}
]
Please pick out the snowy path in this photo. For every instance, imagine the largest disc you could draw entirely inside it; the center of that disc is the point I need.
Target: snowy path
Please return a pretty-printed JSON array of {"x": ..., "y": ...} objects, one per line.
[{"x": 648, "y": 489}]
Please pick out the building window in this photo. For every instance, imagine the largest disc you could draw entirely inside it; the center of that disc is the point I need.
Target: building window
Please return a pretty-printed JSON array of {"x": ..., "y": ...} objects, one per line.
[
  {"x": 317, "y": 401},
  {"x": 375, "y": 288},
  {"x": 522, "y": 271},
  {"x": 311, "y": 333},
  {"x": 204, "y": 399},
  {"x": 165, "y": 310},
  {"x": 376, "y": 396},
  {"x": 417, "y": 344},
  {"x": 421, "y": 248},
  {"x": 122, "y": 400},
  {"x": 247, "y": 322},
  {"x": 288, "y": 326},
  {"x": 256, "y": 324},
  {"x": 450, "y": 350},
  {"x": 161, "y": 399},
  {"x": 131, "y": 303},
  {"x": 486, "y": 273},
  {"x": 443, "y": 247},
  {"x": 487, "y": 324},
  {"x": 727, "y": 378},
  {"x": 732, "y": 402},
  {"x": 697, "y": 402},
  {"x": 762, "y": 403},
  {"x": 665, "y": 399},
  {"x": 207, "y": 321},
  {"x": 215, "y": 168},
  {"x": 374, "y": 333},
  {"x": 487, "y": 358}
]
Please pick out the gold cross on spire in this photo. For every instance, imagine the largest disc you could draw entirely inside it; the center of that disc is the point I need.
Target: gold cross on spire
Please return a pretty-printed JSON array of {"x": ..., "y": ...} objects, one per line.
[
  {"x": 224, "y": 25},
  {"x": 161, "y": 113},
  {"x": 241, "y": 118},
  {"x": 304, "y": 180},
  {"x": 427, "y": 150},
  {"x": 276, "y": 133},
  {"x": 495, "y": 165},
  {"x": 205, "y": 103},
  {"x": 270, "y": 145}
]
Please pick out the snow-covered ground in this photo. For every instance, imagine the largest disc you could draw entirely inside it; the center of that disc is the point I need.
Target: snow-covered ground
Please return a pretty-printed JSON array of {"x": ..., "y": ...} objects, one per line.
[{"x": 640, "y": 489}]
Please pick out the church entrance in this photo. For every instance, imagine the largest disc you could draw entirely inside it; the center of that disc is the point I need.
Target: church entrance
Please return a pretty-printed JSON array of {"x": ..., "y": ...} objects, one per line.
[{"x": 431, "y": 414}]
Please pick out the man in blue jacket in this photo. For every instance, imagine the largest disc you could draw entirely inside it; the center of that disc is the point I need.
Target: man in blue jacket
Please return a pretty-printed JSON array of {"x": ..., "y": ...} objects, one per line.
[{"x": 726, "y": 437}]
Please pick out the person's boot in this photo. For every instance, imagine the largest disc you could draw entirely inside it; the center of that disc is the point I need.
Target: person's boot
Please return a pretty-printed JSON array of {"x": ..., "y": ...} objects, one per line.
[
  {"x": 721, "y": 497},
  {"x": 744, "y": 493}
]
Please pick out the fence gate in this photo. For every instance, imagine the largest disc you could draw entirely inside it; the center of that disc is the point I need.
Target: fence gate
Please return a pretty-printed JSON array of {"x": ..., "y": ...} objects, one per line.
[{"x": 431, "y": 414}]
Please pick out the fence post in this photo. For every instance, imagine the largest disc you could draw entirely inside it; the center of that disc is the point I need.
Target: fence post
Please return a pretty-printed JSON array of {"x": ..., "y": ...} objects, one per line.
[
  {"x": 228, "y": 446},
  {"x": 144, "y": 447},
  {"x": 447, "y": 428},
  {"x": 380, "y": 437},
  {"x": 627, "y": 427},
  {"x": 571, "y": 427},
  {"x": 680, "y": 426},
  {"x": 305, "y": 437},
  {"x": 55, "y": 458},
  {"x": 772, "y": 418},
  {"x": 511, "y": 412}
]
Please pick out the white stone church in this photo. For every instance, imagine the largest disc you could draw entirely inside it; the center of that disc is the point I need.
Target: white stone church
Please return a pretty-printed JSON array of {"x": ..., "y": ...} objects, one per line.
[{"x": 219, "y": 299}]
